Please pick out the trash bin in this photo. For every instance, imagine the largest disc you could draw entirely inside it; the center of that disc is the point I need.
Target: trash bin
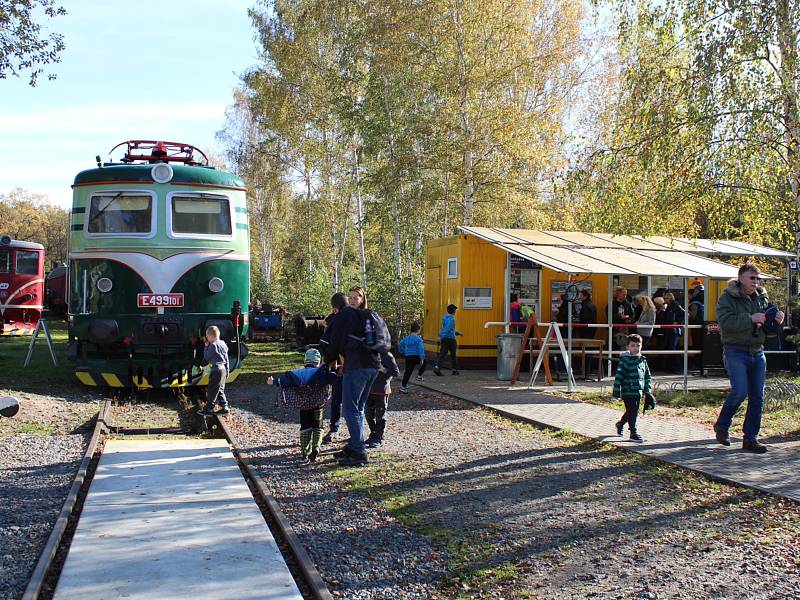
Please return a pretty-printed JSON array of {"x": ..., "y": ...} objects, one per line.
[
  {"x": 712, "y": 347},
  {"x": 508, "y": 347}
]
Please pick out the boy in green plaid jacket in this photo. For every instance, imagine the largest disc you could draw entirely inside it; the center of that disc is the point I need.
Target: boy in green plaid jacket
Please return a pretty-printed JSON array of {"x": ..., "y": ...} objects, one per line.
[{"x": 632, "y": 382}]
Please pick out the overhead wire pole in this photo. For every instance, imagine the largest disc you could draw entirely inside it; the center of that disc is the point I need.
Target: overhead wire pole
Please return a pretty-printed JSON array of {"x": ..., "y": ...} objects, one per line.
[
  {"x": 610, "y": 327},
  {"x": 685, "y": 336},
  {"x": 570, "y": 293}
]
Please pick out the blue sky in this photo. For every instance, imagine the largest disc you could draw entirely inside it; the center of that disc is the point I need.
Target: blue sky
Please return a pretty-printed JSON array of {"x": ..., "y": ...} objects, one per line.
[{"x": 130, "y": 70}]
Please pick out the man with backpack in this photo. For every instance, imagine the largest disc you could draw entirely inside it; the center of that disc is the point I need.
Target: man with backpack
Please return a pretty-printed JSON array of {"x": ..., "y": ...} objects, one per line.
[{"x": 360, "y": 335}]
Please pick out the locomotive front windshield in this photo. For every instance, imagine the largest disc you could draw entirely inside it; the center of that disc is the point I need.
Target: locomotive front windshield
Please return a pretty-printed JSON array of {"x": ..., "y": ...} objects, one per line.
[
  {"x": 5, "y": 262},
  {"x": 27, "y": 262},
  {"x": 201, "y": 215},
  {"x": 120, "y": 213}
]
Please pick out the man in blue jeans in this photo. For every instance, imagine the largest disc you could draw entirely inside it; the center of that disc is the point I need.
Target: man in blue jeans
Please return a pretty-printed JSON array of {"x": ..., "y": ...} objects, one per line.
[
  {"x": 360, "y": 369},
  {"x": 740, "y": 312}
]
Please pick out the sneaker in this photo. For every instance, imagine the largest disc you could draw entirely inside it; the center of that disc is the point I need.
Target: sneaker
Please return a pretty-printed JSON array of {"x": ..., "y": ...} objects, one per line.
[
  {"x": 455, "y": 372},
  {"x": 619, "y": 425},
  {"x": 330, "y": 436},
  {"x": 223, "y": 410},
  {"x": 753, "y": 446},
  {"x": 404, "y": 389},
  {"x": 374, "y": 443},
  {"x": 344, "y": 452},
  {"x": 419, "y": 378},
  {"x": 437, "y": 372},
  {"x": 635, "y": 437},
  {"x": 206, "y": 412},
  {"x": 722, "y": 436},
  {"x": 354, "y": 460},
  {"x": 312, "y": 456}
]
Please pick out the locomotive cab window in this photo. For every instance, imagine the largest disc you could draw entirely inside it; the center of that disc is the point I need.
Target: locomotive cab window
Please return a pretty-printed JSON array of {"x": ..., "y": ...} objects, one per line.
[
  {"x": 5, "y": 262},
  {"x": 200, "y": 215},
  {"x": 27, "y": 262},
  {"x": 120, "y": 213}
]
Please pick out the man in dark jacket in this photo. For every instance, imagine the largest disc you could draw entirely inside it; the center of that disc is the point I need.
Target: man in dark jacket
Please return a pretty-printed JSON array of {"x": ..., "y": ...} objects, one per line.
[
  {"x": 337, "y": 302},
  {"x": 588, "y": 315},
  {"x": 622, "y": 314},
  {"x": 673, "y": 313},
  {"x": 360, "y": 368}
]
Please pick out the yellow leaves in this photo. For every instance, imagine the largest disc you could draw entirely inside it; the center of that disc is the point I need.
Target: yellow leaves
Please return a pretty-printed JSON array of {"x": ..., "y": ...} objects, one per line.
[{"x": 31, "y": 217}]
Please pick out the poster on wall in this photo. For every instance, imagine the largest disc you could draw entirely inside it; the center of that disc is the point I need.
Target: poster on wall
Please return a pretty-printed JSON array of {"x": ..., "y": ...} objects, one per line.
[
  {"x": 477, "y": 297},
  {"x": 557, "y": 288}
]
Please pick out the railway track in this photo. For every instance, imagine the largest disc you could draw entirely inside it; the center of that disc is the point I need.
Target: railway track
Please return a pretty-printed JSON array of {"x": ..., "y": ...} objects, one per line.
[{"x": 44, "y": 578}]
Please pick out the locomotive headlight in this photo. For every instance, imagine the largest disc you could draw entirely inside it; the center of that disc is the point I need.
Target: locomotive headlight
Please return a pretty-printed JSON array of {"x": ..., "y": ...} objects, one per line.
[
  {"x": 104, "y": 284},
  {"x": 215, "y": 284},
  {"x": 161, "y": 173}
]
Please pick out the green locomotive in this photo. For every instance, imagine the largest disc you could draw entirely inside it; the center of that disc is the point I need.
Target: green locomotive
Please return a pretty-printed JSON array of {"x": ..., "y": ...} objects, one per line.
[{"x": 159, "y": 250}]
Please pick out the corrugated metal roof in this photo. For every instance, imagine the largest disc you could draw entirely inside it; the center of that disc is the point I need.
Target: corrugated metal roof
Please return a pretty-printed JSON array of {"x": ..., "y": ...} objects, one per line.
[
  {"x": 632, "y": 242},
  {"x": 576, "y": 252}
]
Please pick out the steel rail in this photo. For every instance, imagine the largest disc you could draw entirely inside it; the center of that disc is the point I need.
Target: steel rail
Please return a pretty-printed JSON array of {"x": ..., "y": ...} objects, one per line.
[
  {"x": 305, "y": 565},
  {"x": 40, "y": 572}
]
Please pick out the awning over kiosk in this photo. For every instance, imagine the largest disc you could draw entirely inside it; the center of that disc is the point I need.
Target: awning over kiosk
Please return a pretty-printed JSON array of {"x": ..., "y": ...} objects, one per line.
[{"x": 577, "y": 252}]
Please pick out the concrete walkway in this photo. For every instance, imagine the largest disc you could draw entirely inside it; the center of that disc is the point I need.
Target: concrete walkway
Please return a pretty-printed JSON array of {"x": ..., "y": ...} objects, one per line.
[
  {"x": 690, "y": 446},
  {"x": 172, "y": 519}
]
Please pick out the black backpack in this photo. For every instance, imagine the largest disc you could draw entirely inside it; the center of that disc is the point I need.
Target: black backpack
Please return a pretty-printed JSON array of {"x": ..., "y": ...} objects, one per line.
[{"x": 374, "y": 334}]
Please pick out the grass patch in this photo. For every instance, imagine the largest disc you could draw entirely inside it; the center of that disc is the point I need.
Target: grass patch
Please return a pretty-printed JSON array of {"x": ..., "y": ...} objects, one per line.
[
  {"x": 40, "y": 373},
  {"x": 36, "y": 429},
  {"x": 268, "y": 358}
]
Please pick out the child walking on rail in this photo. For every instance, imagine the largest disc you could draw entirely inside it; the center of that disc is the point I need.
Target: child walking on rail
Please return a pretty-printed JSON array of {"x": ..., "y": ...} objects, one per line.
[
  {"x": 413, "y": 349},
  {"x": 216, "y": 354},
  {"x": 309, "y": 390},
  {"x": 632, "y": 382}
]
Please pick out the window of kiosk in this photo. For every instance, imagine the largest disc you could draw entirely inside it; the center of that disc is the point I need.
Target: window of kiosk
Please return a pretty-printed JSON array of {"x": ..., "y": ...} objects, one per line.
[
  {"x": 635, "y": 284},
  {"x": 524, "y": 282},
  {"x": 5, "y": 262},
  {"x": 660, "y": 285}
]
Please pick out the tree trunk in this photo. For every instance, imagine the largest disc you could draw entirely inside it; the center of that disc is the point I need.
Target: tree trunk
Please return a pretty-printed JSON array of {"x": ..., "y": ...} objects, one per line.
[
  {"x": 787, "y": 47},
  {"x": 398, "y": 258},
  {"x": 309, "y": 221},
  {"x": 466, "y": 130},
  {"x": 359, "y": 213},
  {"x": 469, "y": 184},
  {"x": 336, "y": 251}
]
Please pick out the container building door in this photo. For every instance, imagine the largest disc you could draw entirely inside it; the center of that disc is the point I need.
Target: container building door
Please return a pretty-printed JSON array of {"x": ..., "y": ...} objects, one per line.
[{"x": 433, "y": 304}]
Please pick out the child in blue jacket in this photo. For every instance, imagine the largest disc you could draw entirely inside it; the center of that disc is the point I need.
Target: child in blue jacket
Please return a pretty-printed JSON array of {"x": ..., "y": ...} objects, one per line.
[
  {"x": 447, "y": 340},
  {"x": 413, "y": 349},
  {"x": 309, "y": 390}
]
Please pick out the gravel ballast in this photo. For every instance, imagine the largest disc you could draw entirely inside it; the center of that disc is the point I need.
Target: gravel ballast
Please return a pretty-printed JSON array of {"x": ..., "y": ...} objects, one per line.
[
  {"x": 461, "y": 503},
  {"x": 36, "y": 473},
  {"x": 360, "y": 549}
]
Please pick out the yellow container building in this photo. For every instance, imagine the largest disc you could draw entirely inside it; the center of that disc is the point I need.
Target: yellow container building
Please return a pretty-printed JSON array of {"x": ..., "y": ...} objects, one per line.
[{"x": 479, "y": 269}]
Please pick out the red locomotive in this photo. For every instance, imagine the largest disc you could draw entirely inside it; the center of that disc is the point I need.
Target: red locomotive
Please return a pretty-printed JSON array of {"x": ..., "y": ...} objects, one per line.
[{"x": 21, "y": 285}]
